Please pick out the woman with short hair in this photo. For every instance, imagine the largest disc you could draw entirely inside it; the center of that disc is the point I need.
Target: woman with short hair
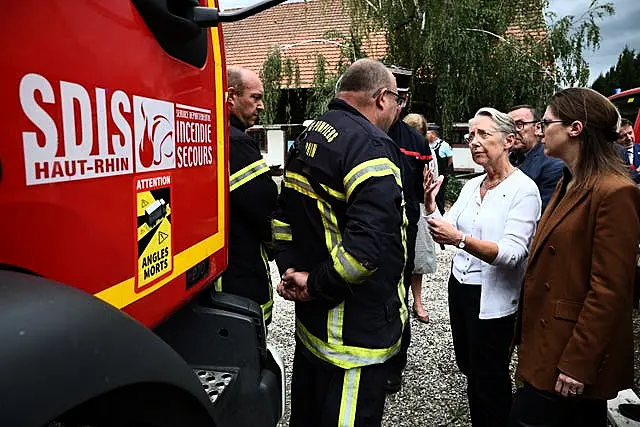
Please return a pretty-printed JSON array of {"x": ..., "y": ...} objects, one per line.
[
  {"x": 492, "y": 223},
  {"x": 576, "y": 350}
]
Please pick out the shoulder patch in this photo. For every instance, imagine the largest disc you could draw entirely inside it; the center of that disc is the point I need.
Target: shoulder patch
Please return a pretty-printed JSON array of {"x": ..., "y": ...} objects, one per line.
[{"x": 325, "y": 129}]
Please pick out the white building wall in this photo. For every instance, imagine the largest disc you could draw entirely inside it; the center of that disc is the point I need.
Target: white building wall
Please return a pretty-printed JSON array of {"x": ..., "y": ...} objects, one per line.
[{"x": 274, "y": 156}]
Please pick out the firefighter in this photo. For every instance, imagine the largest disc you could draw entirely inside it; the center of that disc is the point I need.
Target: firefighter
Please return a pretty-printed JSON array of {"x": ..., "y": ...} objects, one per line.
[
  {"x": 252, "y": 198},
  {"x": 340, "y": 247},
  {"x": 415, "y": 155}
]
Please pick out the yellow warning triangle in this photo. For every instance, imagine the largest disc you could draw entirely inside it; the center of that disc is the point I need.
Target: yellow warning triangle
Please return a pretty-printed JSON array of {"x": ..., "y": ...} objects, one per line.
[
  {"x": 145, "y": 203},
  {"x": 162, "y": 237}
]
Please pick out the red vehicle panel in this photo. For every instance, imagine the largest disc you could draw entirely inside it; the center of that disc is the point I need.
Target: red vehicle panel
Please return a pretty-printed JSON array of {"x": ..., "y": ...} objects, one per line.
[
  {"x": 628, "y": 103},
  {"x": 113, "y": 177}
]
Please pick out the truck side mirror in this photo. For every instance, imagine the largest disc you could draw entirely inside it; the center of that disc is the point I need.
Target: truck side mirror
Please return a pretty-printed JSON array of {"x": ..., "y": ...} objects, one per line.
[{"x": 179, "y": 25}]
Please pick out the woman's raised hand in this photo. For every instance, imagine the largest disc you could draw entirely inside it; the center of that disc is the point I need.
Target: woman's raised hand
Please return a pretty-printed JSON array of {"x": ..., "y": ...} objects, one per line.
[{"x": 431, "y": 188}]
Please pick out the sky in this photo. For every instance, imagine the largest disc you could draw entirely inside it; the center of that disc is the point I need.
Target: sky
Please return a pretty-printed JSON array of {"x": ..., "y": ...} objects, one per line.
[{"x": 616, "y": 31}]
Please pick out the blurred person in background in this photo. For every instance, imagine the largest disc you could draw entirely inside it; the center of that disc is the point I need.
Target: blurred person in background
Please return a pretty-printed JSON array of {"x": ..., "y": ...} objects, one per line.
[
  {"x": 626, "y": 139},
  {"x": 414, "y": 155},
  {"x": 528, "y": 155},
  {"x": 425, "y": 251},
  {"x": 444, "y": 156}
]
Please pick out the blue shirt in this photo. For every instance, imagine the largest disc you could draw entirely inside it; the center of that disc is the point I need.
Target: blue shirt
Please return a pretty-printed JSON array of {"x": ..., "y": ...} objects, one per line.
[{"x": 445, "y": 148}]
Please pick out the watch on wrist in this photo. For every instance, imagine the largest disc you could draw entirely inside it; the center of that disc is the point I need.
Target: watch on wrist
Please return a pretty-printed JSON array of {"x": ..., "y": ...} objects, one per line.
[{"x": 461, "y": 243}]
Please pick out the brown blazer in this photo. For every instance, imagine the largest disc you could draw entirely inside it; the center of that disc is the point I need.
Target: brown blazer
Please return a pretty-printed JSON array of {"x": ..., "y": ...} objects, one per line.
[{"x": 578, "y": 289}]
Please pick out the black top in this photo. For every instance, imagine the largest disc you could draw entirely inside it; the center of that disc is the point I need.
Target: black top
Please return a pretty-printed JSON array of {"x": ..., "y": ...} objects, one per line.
[
  {"x": 252, "y": 200},
  {"x": 415, "y": 155},
  {"x": 545, "y": 171}
]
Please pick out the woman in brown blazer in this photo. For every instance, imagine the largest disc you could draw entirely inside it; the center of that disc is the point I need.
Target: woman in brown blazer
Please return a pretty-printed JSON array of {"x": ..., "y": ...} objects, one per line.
[{"x": 576, "y": 346}]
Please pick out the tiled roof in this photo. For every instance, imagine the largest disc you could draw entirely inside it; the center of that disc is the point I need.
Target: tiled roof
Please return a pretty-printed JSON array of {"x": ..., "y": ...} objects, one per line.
[
  {"x": 302, "y": 24},
  {"x": 299, "y": 28},
  {"x": 529, "y": 20}
]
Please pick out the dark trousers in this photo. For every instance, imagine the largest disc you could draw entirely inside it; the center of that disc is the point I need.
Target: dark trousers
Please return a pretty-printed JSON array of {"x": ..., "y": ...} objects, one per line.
[
  {"x": 441, "y": 194},
  {"x": 327, "y": 396},
  {"x": 482, "y": 349},
  {"x": 537, "y": 408},
  {"x": 398, "y": 362}
]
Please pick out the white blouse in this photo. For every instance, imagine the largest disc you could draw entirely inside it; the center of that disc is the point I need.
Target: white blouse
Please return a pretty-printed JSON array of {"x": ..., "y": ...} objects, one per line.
[
  {"x": 508, "y": 216},
  {"x": 466, "y": 268}
]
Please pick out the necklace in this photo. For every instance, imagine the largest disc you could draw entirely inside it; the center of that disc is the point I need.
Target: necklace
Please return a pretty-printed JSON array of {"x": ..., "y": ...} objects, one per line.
[{"x": 495, "y": 184}]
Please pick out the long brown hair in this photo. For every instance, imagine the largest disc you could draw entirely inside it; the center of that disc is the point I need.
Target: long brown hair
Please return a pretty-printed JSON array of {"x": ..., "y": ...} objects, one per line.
[{"x": 599, "y": 118}]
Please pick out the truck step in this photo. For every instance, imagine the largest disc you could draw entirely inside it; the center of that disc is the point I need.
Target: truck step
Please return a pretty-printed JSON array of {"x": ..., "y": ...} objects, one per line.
[
  {"x": 214, "y": 382},
  {"x": 617, "y": 419}
]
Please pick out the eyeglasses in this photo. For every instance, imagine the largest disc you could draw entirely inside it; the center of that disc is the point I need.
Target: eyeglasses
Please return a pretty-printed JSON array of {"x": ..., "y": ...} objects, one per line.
[
  {"x": 400, "y": 99},
  {"x": 542, "y": 124},
  {"x": 520, "y": 124}
]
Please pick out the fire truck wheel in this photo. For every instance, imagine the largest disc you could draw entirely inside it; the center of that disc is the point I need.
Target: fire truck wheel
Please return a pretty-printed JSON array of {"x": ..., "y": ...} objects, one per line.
[{"x": 146, "y": 405}]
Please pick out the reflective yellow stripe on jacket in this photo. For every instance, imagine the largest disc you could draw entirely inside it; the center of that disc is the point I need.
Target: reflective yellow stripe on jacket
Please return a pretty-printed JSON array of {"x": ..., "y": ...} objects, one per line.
[
  {"x": 369, "y": 169},
  {"x": 349, "y": 399},
  {"x": 247, "y": 173},
  {"x": 281, "y": 230},
  {"x": 344, "y": 356},
  {"x": 352, "y": 271},
  {"x": 349, "y": 268},
  {"x": 267, "y": 307},
  {"x": 301, "y": 184},
  {"x": 335, "y": 319}
]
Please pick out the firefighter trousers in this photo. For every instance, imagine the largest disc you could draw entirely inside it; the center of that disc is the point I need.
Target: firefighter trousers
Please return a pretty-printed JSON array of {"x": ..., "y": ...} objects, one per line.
[{"x": 323, "y": 395}]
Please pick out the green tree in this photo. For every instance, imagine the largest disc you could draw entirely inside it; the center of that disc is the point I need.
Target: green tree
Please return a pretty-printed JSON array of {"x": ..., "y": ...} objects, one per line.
[
  {"x": 324, "y": 80},
  {"x": 280, "y": 72},
  {"x": 271, "y": 76},
  {"x": 570, "y": 35},
  {"x": 464, "y": 57},
  {"x": 624, "y": 75},
  {"x": 320, "y": 91}
]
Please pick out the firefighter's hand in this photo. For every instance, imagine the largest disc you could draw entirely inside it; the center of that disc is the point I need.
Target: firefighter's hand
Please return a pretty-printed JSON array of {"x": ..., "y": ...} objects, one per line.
[
  {"x": 293, "y": 286},
  {"x": 444, "y": 232},
  {"x": 567, "y": 386},
  {"x": 431, "y": 187}
]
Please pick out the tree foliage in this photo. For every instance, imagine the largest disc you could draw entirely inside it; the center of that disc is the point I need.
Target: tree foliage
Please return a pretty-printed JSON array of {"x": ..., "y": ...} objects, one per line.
[
  {"x": 624, "y": 75},
  {"x": 321, "y": 90},
  {"x": 464, "y": 57},
  {"x": 271, "y": 76},
  {"x": 570, "y": 35},
  {"x": 279, "y": 71}
]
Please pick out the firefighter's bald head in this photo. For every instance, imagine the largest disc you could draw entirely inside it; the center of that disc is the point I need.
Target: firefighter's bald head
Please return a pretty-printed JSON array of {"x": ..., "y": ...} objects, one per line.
[
  {"x": 245, "y": 95},
  {"x": 370, "y": 87}
]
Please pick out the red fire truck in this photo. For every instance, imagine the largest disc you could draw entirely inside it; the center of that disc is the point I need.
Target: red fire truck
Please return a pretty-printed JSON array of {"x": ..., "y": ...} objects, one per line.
[
  {"x": 628, "y": 103},
  {"x": 113, "y": 200}
]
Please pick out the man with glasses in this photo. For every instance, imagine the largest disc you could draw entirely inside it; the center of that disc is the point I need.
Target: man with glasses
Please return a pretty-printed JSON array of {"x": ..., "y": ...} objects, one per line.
[
  {"x": 528, "y": 154},
  {"x": 415, "y": 154},
  {"x": 340, "y": 248}
]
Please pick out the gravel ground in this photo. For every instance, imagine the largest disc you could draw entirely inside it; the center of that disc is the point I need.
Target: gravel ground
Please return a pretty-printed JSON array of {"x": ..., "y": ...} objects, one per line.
[{"x": 433, "y": 392}]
